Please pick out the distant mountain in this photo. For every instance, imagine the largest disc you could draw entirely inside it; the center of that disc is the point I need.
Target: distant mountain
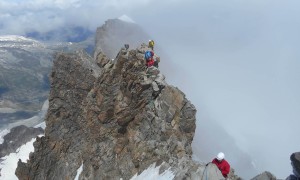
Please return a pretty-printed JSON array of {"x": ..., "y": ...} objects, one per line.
[
  {"x": 25, "y": 65},
  {"x": 66, "y": 34},
  {"x": 117, "y": 32}
]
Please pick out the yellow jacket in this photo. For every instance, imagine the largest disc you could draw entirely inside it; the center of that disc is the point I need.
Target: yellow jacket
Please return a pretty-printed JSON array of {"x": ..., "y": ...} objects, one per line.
[{"x": 151, "y": 43}]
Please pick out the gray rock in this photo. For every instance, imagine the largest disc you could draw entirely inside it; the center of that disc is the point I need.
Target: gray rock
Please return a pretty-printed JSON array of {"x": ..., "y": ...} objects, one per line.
[{"x": 264, "y": 176}]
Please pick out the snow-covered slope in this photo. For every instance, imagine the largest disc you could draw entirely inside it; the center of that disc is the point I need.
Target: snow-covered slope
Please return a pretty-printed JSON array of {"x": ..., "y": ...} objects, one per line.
[
  {"x": 15, "y": 38},
  {"x": 153, "y": 173},
  {"x": 19, "y": 41},
  {"x": 10, "y": 162}
]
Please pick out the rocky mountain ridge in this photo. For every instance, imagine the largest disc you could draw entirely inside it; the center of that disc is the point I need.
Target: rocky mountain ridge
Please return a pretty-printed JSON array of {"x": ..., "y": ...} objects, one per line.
[
  {"x": 124, "y": 116},
  {"x": 115, "y": 119}
]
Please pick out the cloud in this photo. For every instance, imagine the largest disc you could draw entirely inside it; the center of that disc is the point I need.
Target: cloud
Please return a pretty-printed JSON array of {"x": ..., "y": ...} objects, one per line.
[{"x": 21, "y": 17}]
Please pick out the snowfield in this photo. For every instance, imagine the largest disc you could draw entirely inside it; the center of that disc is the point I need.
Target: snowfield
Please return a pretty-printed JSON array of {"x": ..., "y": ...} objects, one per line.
[
  {"x": 153, "y": 173},
  {"x": 10, "y": 162}
]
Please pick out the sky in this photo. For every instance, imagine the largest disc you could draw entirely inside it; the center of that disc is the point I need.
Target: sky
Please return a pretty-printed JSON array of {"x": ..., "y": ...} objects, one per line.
[{"x": 238, "y": 62}]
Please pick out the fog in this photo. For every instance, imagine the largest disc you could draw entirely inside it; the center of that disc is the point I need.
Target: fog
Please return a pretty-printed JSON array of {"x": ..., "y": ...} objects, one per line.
[
  {"x": 241, "y": 64},
  {"x": 236, "y": 60}
]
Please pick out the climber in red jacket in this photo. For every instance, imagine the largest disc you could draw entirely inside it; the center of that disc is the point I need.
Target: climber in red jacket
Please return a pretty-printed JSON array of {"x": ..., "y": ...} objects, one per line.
[{"x": 222, "y": 164}]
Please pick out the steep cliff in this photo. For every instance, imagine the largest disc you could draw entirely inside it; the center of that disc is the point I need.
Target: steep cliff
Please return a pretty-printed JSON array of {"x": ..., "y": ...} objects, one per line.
[{"x": 114, "y": 117}]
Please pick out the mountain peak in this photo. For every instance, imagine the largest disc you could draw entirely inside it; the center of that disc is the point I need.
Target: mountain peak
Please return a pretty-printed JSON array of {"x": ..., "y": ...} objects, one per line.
[{"x": 126, "y": 18}]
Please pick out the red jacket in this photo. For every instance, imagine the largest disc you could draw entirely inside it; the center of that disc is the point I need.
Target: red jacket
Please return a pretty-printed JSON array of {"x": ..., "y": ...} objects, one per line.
[
  {"x": 223, "y": 166},
  {"x": 150, "y": 62}
]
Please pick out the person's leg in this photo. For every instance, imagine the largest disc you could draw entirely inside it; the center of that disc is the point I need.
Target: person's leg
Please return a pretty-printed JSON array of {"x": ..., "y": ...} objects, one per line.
[{"x": 156, "y": 64}]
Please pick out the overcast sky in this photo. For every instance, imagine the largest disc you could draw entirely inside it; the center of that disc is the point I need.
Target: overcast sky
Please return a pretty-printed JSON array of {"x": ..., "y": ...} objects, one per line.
[{"x": 239, "y": 59}]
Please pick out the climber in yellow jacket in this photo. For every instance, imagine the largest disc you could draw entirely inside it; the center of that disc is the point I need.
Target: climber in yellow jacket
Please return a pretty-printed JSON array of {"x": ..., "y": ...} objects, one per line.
[{"x": 151, "y": 44}]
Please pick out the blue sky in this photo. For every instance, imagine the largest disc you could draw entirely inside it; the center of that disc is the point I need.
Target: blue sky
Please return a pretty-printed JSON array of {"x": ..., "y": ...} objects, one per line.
[{"x": 238, "y": 61}]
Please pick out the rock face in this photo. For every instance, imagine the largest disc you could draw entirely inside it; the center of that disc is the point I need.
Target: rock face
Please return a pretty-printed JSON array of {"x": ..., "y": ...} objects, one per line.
[
  {"x": 17, "y": 137},
  {"x": 116, "y": 120}
]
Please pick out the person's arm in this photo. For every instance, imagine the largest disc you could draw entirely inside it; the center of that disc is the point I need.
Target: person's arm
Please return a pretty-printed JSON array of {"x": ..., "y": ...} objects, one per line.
[{"x": 226, "y": 170}]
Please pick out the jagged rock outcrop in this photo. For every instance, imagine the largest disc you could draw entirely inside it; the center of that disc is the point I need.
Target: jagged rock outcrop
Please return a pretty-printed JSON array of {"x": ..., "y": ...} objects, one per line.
[
  {"x": 17, "y": 137},
  {"x": 264, "y": 176},
  {"x": 117, "y": 120}
]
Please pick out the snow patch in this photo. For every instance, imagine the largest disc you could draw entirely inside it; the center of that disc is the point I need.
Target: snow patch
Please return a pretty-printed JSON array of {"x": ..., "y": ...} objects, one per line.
[
  {"x": 153, "y": 173},
  {"x": 126, "y": 19},
  {"x": 2, "y": 134},
  {"x": 10, "y": 162},
  {"x": 79, "y": 170},
  {"x": 42, "y": 125},
  {"x": 45, "y": 106}
]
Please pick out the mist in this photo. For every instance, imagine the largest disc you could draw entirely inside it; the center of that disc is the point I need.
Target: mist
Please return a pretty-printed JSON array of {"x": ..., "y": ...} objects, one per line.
[
  {"x": 241, "y": 66},
  {"x": 237, "y": 61}
]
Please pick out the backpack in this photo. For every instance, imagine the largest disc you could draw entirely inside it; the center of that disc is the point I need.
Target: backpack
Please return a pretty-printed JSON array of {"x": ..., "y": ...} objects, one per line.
[{"x": 148, "y": 55}]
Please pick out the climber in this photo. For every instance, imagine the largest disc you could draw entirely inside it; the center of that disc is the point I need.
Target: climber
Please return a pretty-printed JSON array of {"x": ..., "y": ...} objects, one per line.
[
  {"x": 222, "y": 164},
  {"x": 149, "y": 58},
  {"x": 151, "y": 44},
  {"x": 126, "y": 46},
  {"x": 295, "y": 162},
  {"x": 157, "y": 60}
]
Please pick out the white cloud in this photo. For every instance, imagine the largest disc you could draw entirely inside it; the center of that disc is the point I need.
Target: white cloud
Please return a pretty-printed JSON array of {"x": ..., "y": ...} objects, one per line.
[{"x": 20, "y": 17}]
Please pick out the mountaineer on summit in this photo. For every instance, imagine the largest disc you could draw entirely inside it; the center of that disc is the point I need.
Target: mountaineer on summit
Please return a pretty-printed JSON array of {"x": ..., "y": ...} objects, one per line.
[
  {"x": 126, "y": 46},
  {"x": 151, "y": 44},
  {"x": 149, "y": 58},
  {"x": 150, "y": 61},
  {"x": 222, "y": 164}
]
